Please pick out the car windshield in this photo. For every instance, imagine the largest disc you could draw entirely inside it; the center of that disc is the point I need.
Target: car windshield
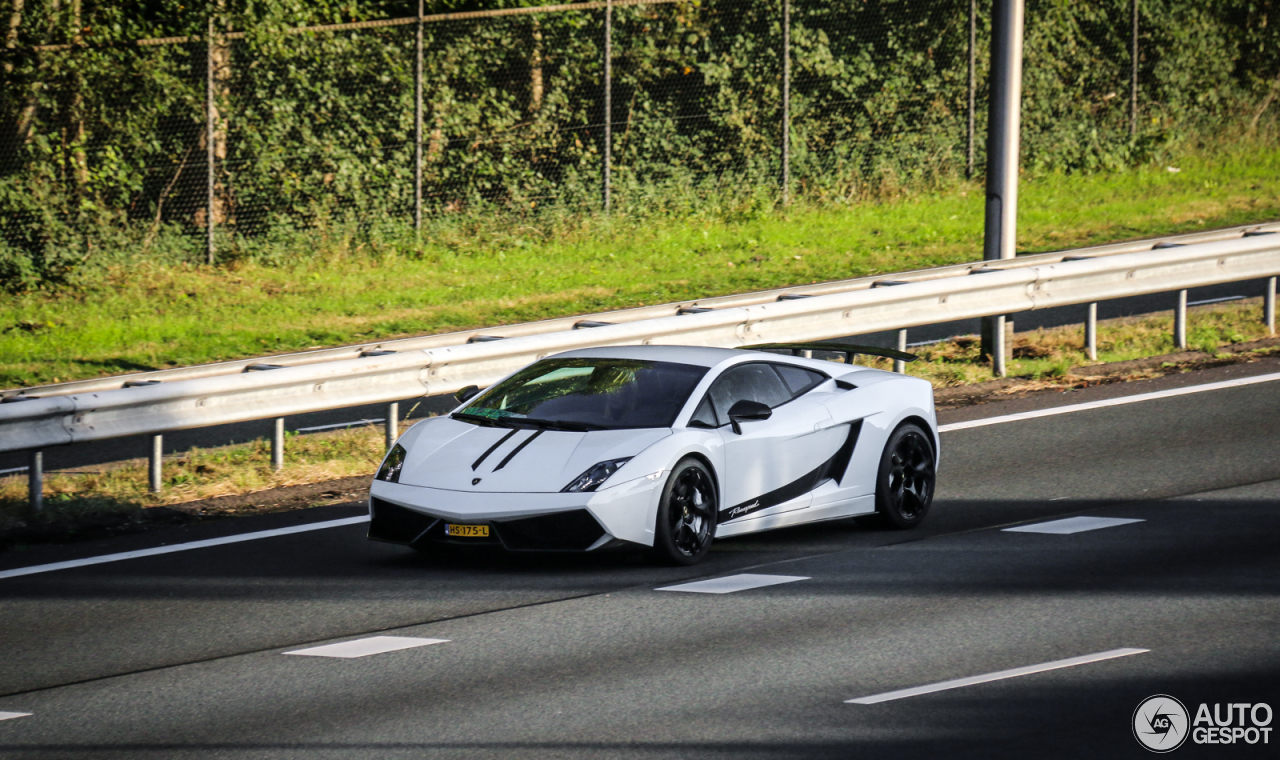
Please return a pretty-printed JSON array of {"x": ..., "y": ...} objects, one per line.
[{"x": 587, "y": 394}]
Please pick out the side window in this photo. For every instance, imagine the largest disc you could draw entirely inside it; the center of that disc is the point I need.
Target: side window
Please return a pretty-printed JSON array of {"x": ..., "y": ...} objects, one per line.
[
  {"x": 798, "y": 379},
  {"x": 704, "y": 415},
  {"x": 755, "y": 381}
]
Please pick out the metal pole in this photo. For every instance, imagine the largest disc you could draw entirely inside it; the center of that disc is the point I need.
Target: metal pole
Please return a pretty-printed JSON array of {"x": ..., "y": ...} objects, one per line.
[
  {"x": 786, "y": 102},
  {"x": 1133, "y": 74},
  {"x": 1091, "y": 332},
  {"x": 210, "y": 151},
  {"x": 1269, "y": 307},
  {"x": 900, "y": 366},
  {"x": 277, "y": 445},
  {"x": 1003, "y": 124},
  {"x": 973, "y": 84},
  {"x": 35, "y": 481},
  {"x": 417, "y": 127},
  {"x": 608, "y": 101},
  {"x": 157, "y": 454},
  {"x": 393, "y": 426},
  {"x": 1180, "y": 322}
]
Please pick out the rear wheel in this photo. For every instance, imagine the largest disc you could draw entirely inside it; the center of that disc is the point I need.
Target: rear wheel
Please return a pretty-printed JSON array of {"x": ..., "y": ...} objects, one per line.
[
  {"x": 905, "y": 480},
  {"x": 686, "y": 515}
]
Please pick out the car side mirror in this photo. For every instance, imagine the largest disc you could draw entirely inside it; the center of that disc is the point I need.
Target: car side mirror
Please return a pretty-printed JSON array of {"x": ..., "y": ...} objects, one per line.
[
  {"x": 466, "y": 394},
  {"x": 746, "y": 410}
]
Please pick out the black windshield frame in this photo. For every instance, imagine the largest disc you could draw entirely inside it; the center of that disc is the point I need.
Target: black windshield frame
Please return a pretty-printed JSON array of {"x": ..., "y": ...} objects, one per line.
[{"x": 587, "y": 393}]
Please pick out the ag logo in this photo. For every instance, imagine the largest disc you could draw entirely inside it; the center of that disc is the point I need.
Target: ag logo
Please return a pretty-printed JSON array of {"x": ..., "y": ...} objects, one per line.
[{"x": 1160, "y": 723}]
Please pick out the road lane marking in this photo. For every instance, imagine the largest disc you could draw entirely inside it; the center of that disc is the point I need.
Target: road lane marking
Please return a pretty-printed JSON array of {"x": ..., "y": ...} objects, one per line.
[
  {"x": 364, "y": 647},
  {"x": 997, "y": 676},
  {"x": 1240, "y": 381},
  {"x": 70, "y": 564},
  {"x": 732, "y": 583},
  {"x": 11, "y": 716},
  {"x": 1069, "y": 525},
  {"x": 317, "y": 428}
]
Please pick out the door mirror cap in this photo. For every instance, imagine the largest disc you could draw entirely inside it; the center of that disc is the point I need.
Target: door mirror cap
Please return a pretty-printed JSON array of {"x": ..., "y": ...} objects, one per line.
[
  {"x": 466, "y": 394},
  {"x": 747, "y": 410}
]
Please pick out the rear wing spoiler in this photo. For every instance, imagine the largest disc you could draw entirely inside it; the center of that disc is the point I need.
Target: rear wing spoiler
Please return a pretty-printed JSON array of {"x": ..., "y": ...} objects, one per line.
[{"x": 850, "y": 350}]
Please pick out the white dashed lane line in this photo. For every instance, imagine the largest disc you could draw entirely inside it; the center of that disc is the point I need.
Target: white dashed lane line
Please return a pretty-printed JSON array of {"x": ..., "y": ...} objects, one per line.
[
  {"x": 732, "y": 583},
  {"x": 997, "y": 676},
  {"x": 364, "y": 647},
  {"x": 12, "y": 715},
  {"x": 1069, "y": 525}
]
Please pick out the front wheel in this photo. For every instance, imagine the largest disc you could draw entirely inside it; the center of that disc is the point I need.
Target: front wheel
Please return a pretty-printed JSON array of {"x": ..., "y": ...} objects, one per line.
[
  {"x": 686, "y": 515},
  {"x": 905, "y": 480}
]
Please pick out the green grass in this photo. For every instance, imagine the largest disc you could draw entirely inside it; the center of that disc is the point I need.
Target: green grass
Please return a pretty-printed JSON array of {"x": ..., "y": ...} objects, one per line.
[{"x": 328, "y": 290}]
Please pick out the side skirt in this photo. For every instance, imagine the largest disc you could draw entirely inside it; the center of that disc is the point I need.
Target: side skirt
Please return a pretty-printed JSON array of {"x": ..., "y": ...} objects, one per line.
[{"x": 859, "y": 505}]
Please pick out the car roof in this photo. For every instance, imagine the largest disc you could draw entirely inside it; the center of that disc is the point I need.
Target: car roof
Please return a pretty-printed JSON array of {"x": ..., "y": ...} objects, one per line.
[{"x": 700, "y": 356}]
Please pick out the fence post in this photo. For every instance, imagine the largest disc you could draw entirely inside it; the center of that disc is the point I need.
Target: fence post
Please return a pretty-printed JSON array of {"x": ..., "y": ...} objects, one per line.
[
  {"x": 1133, "y": 73},
  {"x": 417, "y": 126},
  {"x": 1003, "y": 124},
  {"x": 608, "y": 103},
  {"x": 786, "y": 102},
  {"x": 35, "y": 481},
  {"x": 210, "y": 117},
  {"x": 157, "y": 458},
  {"x": 973, "y": 84}
]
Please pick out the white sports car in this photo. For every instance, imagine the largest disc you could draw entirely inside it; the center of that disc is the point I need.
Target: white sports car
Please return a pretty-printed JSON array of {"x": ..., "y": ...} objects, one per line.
[{"x": 665, "y": 447}]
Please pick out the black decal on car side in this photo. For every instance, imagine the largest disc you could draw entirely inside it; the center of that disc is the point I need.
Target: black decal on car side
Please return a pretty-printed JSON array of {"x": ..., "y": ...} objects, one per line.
[{"x": 833, "y": 468}]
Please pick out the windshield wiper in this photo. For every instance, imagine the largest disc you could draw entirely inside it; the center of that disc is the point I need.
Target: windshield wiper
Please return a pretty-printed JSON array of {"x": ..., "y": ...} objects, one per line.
[
  {"x": 573, "y": 427},
  {"x": 477, "y": 419}
]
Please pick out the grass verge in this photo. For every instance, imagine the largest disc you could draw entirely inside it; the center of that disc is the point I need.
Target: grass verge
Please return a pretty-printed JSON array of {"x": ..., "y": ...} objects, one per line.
[
  {"x": 1043, "y": 358},
  {"x": 325, "y": 287}
]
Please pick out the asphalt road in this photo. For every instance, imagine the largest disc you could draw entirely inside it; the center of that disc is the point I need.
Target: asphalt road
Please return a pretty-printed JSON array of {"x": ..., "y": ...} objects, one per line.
[
  {"x": 182, "y": 655},
  {"x": 117, "y": 449}
]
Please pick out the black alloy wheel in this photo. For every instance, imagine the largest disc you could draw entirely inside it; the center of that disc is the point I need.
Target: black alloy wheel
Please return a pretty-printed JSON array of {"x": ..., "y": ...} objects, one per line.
[
  {"x": 905, "y": 482},
  {"x": 686, "y": 515}
]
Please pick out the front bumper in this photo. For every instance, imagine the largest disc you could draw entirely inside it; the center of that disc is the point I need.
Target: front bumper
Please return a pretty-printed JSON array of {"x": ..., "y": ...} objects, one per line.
[{"x": 416, "y": 516}]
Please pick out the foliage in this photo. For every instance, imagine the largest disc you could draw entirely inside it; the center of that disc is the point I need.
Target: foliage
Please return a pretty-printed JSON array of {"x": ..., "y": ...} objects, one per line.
[{"x": 103, "y": 143}]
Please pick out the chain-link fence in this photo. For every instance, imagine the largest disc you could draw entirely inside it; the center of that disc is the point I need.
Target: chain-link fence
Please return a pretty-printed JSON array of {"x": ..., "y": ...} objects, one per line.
[{"x": 247, "y": 129}]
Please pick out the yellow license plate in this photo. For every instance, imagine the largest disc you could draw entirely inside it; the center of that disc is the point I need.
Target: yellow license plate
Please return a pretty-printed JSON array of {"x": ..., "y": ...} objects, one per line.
[{"x": 466, "y": 531}]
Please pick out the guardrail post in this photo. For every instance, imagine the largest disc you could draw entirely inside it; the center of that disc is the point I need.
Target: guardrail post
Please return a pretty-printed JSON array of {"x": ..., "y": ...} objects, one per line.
[
  {"x": 393, "y": 427},
  {"x": 35, "y": 480},
  {"x": 277, "y": 445},
  {"x": 157, "y": 454},
  {"x": 1180, "y": 322},
  {"x": 1269, "y": 307},
  {"x": 899, "y": 365},
  {"x": 1091, "y": 332},
  {"x": 1003, "y": 140}
]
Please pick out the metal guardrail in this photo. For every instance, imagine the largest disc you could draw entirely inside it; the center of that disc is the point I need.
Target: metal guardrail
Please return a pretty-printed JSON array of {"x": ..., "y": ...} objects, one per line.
[
  {"x": 1004, "y": 287},
  {"x": 623, "y": 316}
]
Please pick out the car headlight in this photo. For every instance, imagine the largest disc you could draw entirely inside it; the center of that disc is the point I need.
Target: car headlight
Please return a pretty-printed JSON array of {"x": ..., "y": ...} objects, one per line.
[
  {"x": 595, "y": 475},
  {"x": 390, "y": 469}
]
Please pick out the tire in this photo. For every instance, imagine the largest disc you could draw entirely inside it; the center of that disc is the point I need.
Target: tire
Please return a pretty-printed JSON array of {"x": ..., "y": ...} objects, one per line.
[
  {"x": 686, "y": 521},
  {"x": 906, "y": 477}
]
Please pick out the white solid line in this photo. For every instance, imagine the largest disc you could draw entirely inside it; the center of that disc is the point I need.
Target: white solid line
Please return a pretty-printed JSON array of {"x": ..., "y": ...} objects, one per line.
[
  {"x": 373, "y": 421},
  {"x": 732, "y": 583},
  {"x": 998, "y": 676},
  {"x": 32, "y": 570},
  {"x": 364, "y": 647},
  {"x": 1215, "y": 300},
  {"x": 1069, "y": 525},
  {"x": 11, "y": 716},
  {"x": 1240, "y": 381}
]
